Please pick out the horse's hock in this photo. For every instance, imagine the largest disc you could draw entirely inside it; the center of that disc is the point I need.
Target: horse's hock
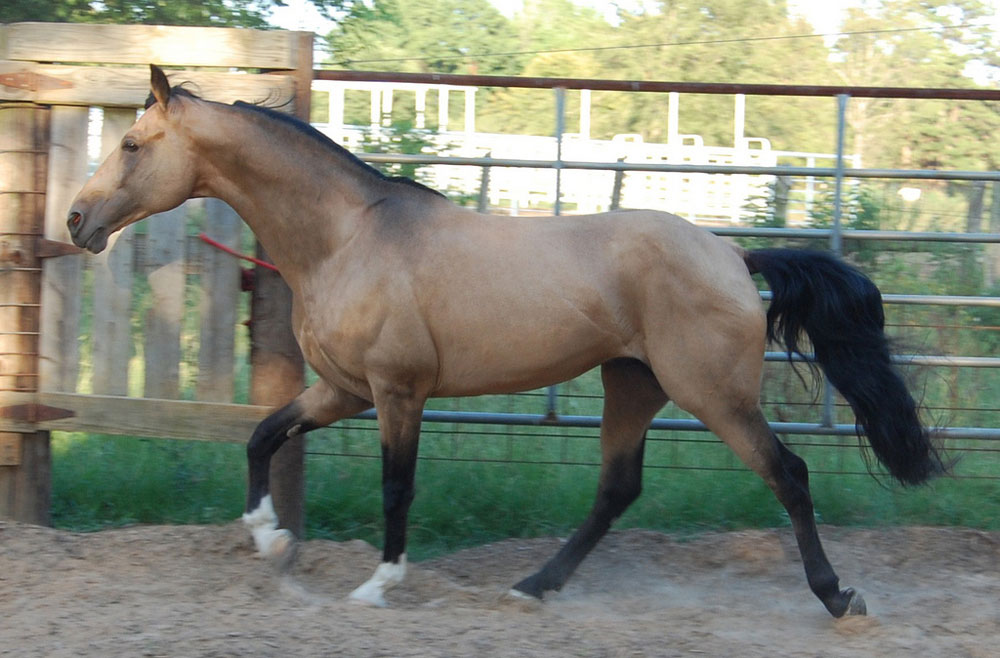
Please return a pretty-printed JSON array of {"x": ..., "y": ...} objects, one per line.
[{"x": 46, "y": 148}]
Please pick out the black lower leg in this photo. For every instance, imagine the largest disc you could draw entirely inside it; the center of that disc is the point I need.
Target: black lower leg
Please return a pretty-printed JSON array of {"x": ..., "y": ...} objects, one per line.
[
  {"x": 270, "y": 435},
  {"x": 793, "y": 492},
  {"x": 398, "y": 471},
  {"x": 621, "y": 483}
]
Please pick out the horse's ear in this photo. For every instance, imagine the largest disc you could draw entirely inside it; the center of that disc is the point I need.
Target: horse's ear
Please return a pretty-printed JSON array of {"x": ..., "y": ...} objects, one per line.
[{"x": 158, "y": 83}]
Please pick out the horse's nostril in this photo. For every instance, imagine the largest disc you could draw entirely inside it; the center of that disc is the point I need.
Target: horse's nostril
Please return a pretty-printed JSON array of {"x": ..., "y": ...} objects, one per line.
[{"x": 74, "y": 220}]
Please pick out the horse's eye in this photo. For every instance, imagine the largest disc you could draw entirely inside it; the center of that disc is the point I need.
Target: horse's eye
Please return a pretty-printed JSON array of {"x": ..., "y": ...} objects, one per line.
[{"x": 130, "y": 146}]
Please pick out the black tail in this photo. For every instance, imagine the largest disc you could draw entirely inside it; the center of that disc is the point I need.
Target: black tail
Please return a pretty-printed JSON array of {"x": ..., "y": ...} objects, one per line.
[{"x": 840, "y": 310}]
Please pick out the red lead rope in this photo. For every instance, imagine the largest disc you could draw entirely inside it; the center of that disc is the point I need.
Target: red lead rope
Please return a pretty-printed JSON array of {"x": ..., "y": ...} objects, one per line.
[{"x": 232, "y": 252}]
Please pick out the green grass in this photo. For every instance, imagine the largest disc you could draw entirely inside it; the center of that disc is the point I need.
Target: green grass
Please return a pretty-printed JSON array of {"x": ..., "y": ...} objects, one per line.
[{"x": 104, "y": 481}]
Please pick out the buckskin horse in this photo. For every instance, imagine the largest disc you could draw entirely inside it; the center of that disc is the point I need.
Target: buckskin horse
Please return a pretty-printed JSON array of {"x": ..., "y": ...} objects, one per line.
[{"x": 400, "y": 295}]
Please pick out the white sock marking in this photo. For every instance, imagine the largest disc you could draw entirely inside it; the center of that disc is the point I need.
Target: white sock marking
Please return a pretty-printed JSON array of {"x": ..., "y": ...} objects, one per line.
[
  {"x": 386, "y": 576},
  {"x": 263, "y": 524}
]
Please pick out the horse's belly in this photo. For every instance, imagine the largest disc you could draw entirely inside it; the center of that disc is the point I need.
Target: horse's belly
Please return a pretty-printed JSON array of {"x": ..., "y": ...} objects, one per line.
[{"x": 507, "y": 362}]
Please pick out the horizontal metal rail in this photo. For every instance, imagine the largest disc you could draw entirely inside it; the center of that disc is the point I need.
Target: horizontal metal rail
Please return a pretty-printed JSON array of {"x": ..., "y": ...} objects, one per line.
[
  {"x": 907, "y": 360},
  {"x": 724, "y": 88},
  {"x": 942, "y": 300},
  {"x": 927, "y": 300},
  {"x": 821, "y": 172},
  {"x": 673, "y": 424},
  {"x": 854, "y": 234}
]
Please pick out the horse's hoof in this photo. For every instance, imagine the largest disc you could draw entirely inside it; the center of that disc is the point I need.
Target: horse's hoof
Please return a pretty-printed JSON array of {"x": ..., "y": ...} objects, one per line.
[
  {"x": 856, "y": 605},
  {"x": 529, "y": 588},
  {"x": 386, "y": 576},
  {"x": 853, "y": 606},
  {"x": 283, "y": 551},
  {"x": 518, "y": 600},
  {"x": 369, "y": 597}
]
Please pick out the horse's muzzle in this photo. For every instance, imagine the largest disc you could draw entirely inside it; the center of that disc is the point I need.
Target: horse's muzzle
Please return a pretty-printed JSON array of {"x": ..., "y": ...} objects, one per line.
[{"x": 93, "y": 239}]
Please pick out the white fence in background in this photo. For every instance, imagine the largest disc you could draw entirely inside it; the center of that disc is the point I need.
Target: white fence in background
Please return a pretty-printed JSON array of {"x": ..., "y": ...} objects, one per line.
[
  {"x": 703, "y": 198},
  {"x": 718, "y": 199}
]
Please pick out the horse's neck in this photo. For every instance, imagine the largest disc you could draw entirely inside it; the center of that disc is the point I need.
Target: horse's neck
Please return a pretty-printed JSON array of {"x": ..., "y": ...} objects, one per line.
[{"x": 300, "y": 200}]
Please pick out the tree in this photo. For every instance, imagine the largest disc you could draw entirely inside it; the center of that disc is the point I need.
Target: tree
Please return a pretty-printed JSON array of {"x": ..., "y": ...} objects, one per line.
[
  {"x": 445, "y": 36},
  {"x": 718, "y": 41},
  {"x": 917, "y": 43}
]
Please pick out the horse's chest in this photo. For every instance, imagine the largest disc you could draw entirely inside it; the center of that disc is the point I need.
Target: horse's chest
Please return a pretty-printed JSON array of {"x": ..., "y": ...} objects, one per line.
[{"x": 351, "y": 346}]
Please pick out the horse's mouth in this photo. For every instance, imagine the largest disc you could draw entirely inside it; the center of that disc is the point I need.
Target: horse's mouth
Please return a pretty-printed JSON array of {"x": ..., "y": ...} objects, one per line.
[{"x": 96, "y": 242}]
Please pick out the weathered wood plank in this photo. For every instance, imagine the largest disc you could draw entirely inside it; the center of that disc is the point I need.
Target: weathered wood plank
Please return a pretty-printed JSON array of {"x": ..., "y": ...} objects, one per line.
[
  {"x": 10, "y": 454},
  {"x": 61, "y": 282},
  {"x": 220, "y": 291},
  {"x": 171, "y": 419},
  {"x": 129, "y": 87},
  {"x": 26, "y": 489},
  {"x": 165, "y": 270},
  {"x": 159, "y": 44},
  {"x": 113, "y": 269}
]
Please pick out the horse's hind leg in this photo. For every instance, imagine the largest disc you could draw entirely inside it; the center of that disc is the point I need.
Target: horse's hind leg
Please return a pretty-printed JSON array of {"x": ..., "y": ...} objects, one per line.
[
  {"x": 749, "y": 435},
  {"x": 632, "y": 397},
  {"x": 315, "y": 407}
]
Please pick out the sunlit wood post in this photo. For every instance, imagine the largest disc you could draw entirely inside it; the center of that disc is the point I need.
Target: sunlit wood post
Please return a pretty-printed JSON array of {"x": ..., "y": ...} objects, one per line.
[{"x": 25, "y": 458}]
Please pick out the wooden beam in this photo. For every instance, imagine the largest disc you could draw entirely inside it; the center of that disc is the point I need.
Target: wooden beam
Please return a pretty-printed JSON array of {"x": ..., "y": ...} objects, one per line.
[
  {"x": 147, "y": 417},
  {"x": 145, "y": 44},
  {"x": 128, "y": 87}
]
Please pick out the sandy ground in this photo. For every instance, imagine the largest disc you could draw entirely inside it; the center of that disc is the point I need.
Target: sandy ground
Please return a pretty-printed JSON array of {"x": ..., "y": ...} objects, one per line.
[{"x": 199, "y": 591}]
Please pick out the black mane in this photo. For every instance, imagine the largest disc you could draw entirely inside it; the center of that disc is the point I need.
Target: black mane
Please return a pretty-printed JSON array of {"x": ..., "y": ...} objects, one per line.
[{"x": 304, "y": 128}]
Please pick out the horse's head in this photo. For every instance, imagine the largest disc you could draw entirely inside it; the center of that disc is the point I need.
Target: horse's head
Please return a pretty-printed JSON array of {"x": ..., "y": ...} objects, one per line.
[{"x": 152, "y": 170}]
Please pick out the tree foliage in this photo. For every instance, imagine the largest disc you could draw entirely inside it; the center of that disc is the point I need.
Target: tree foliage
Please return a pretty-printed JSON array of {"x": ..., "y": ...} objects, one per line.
[{"x": 447, "y": 36}]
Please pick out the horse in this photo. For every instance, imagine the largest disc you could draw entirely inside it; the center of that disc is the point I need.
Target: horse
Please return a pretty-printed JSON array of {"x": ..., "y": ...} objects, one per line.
[{"x": 399, "y": 295}]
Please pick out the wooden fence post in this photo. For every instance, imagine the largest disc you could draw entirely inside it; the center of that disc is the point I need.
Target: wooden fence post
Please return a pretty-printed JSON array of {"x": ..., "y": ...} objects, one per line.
[
  {"x": 62, "y": 281},
  {"x": 114, "y": 270},
  {"x": 25, "y": 458},
  {"x": 277, "y": 366}
]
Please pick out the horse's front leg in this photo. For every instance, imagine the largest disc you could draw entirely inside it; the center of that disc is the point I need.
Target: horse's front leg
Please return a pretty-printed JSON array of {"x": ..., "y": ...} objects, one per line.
[
  {"x": 399, "y": 417},
  {"x": 317, "y": 406}
]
